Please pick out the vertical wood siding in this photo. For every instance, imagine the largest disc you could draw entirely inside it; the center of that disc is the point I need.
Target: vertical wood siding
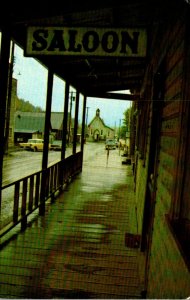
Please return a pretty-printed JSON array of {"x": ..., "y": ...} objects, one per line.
[{"x": 168, "y": 274}]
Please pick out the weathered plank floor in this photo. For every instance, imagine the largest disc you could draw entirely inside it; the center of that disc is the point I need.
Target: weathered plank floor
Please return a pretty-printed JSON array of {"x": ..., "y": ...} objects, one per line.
[{"x": 78, "y": 249}]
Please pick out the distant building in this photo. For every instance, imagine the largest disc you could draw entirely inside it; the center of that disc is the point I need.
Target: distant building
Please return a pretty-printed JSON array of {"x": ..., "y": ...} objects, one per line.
[
  {"x": 28, "y": 125},
  {"x": 31, "y": 125},
  {"x": 97, "y": 129},
  {"x": 57, "y": 125}
]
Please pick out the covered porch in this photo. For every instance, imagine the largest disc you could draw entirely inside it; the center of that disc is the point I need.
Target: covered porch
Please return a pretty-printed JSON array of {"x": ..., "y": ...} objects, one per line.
[{"x": 86, "y": 244}]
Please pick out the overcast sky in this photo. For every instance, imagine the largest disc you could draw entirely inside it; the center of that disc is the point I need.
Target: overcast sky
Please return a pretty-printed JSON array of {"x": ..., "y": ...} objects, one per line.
[{"x": 32, "y": 86}]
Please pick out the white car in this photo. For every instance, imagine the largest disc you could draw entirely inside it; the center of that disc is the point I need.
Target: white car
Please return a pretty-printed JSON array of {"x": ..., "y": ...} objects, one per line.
[
  {"x": 56, "y": 145},
  {"x": 110, "y": 144}
]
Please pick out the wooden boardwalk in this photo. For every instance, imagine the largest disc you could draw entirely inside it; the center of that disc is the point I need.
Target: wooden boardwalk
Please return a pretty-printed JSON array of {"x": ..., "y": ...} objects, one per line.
[{"x": 78, "y": 249}]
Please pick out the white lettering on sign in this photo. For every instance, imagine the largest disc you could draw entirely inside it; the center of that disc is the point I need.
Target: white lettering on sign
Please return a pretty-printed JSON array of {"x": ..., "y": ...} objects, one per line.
[{"x": 86, "y": 41}]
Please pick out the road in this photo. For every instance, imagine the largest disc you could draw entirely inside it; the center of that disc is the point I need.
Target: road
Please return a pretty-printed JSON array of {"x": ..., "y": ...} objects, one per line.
[{"x": 23, "y": 163}]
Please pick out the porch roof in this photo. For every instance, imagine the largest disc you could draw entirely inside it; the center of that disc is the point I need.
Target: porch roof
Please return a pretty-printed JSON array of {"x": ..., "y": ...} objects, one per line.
[{"x": 93, "y": 76}]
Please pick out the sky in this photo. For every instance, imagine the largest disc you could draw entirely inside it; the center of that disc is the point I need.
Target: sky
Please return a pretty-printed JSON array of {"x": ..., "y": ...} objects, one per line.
[{"x": 32, "y": 86}]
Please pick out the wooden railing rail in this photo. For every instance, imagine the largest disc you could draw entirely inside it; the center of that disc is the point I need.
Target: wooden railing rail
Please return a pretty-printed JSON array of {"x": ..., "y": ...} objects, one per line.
[{"x": 31, "y": 192}]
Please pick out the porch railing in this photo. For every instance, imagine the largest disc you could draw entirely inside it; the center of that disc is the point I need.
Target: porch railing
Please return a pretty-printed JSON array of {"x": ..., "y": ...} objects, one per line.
[{"x": 27, "y": 194}]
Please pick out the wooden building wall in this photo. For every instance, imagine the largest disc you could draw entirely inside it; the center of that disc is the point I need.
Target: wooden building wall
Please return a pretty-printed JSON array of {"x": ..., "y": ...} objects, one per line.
[
  {"x": 172, "y": 278},
  {"x": 168, "y": 274}
]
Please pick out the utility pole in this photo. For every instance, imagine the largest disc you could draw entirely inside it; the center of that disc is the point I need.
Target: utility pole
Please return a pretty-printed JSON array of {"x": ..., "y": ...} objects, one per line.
[
  {"x": 119, "y": 127},
  {"x": 87, "y": 108},
  {"x": 72, "y": 99},
  {"x": 119, "y": 136}
]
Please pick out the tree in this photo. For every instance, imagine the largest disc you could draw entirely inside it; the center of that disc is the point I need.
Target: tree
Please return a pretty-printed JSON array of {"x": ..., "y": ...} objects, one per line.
[
  {"x": 126, "y": 123},
  {"x": 126, "y": 120},
  {"x": 23, "y": 105}
]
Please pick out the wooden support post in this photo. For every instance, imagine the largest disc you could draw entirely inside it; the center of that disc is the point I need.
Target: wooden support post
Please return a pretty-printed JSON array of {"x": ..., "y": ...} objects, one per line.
[
  {"x": 47, "y": 120},
  {"x": 46, "y": 142},
  {"x": 83, "y": 134},
  {"x": 76, "y": 123},
  {"x": 65, "y": 118},
  {"x": 4, "y": 72}
]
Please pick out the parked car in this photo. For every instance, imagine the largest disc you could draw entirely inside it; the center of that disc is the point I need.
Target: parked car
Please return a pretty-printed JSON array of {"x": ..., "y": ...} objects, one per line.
[
  {"x": 110, "y": 144},
  {"x": 56, "y": 145},
  {"x": 33, "y": 145}
]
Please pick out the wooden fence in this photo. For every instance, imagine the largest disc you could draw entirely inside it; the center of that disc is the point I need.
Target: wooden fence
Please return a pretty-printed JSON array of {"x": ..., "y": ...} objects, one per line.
[{"x": 31, "y": 192}]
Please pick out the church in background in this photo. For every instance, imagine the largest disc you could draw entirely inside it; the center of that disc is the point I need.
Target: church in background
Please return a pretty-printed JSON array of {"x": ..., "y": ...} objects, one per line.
[{"x": 98, "y": 130}]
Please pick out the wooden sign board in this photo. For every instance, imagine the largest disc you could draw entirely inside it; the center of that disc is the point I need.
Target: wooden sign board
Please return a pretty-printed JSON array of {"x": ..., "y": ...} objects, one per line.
[{"x": 86, "y": 41}]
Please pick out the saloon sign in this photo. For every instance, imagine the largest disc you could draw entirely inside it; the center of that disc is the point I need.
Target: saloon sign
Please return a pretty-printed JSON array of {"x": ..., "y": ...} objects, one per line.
[{"x": 86, "y": 41}]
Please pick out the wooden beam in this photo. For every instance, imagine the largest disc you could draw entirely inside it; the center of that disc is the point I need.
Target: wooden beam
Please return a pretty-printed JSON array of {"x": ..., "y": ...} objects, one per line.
[{"x": 115, "y": 96}]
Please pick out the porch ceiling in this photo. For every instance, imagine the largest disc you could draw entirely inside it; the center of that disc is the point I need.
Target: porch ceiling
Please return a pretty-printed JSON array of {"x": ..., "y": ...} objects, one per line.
[{"x": 92, "y": 76}]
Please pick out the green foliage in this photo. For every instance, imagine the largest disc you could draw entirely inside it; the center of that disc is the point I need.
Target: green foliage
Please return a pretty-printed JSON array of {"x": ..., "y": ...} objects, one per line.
[
  {"x": 125, "y": 123},
  {"x": 126, "y": 120},
  {"x": 23, "y": 105},
  {"x": 123, "y": 132}
]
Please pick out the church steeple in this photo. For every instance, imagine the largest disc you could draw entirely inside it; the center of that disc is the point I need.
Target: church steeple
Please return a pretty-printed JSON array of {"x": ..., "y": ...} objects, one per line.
[{"x": 97, "y": 112}]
